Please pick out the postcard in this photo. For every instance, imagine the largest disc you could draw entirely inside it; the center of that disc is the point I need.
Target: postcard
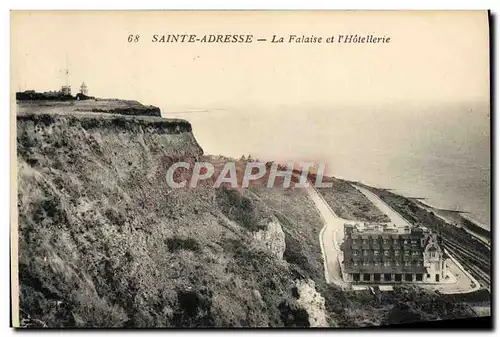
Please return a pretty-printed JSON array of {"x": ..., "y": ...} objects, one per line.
[{"x": 250, "y": 169}]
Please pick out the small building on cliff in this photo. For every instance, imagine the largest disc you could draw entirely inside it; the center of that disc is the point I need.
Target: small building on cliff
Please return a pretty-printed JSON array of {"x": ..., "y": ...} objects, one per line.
[
  {"x": 84, "y": 93},
  {"x": 84, "y": 90},
  {"x": 66, "y": 90},
  {"x": 383, "y": 252}
]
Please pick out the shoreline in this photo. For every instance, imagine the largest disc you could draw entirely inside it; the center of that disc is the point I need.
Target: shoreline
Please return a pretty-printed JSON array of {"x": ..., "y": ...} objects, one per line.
[
  {"x": 460, "y": 220},
  {"x": 454, "y": 218}
]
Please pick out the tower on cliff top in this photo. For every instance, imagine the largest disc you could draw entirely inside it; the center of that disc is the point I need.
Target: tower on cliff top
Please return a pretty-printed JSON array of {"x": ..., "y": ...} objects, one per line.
[
  {"x": 66, "y": 89},
  {"x": 84, "y": 90}
]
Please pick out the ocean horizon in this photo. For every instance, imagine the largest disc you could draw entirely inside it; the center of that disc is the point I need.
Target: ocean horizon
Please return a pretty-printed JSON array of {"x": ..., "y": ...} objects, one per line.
[{"x": 441, "y": 154}]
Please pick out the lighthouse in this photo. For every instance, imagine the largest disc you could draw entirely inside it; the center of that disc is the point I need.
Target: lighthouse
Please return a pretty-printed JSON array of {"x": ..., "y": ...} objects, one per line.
[{"x": 84, "y": 89}]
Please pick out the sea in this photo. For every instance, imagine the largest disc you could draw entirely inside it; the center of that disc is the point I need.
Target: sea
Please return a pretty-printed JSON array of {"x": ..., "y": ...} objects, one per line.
[{"x": 440, "y": 152}]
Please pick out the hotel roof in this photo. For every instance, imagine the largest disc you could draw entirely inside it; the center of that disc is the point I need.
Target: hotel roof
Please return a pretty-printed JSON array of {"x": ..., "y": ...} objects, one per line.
[{"x": 381, "y": 228}]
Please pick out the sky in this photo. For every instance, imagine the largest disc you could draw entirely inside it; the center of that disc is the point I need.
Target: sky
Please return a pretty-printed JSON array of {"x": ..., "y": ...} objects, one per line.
[
  {"x": 412, "y": 114},
  {"x": 433, "y": 57}
]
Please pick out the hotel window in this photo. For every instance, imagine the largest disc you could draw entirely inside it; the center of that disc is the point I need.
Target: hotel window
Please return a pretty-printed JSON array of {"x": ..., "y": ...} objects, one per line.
[
  {"x": 396, "y": 252},
  {"x": 405, "y": 241},
  {"x": 365, "y": 251},
  {"x": 396, "y": 263},
  {"x": 407, "y": 263},
  {"x": 353, "y": 241},
  {"x": 365, "y": 241},
  {"x": 387, "y": 263},
  {"x": 365, "y": 263},
  {"x": 355, "y": 264},
  {"x": 376, "y": 263},
  {"x": 375, "y": 252},
  {"x": 407, "y": 252},
  {"x": 355, "y": 253},
  {"x": 419, "y": 263},
  {"x": 386, "y": 252},
  {"x": 413, "y": 241},
  {"x": 386, "y": 241},
  {"x": 414, "y": 253}
]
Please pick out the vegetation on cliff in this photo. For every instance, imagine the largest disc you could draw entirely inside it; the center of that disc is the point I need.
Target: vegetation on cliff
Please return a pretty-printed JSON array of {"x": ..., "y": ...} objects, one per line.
[
  {"x": 101, "y": 106},
  {"x": 105, "y": 242},
  {"x": 348, "y": 203}
]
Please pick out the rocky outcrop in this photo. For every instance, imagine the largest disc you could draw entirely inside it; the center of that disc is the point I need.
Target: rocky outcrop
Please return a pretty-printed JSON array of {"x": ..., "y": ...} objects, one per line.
[
  {"x": 273, "y": 238},
  {"x": 311, "y": 301}
]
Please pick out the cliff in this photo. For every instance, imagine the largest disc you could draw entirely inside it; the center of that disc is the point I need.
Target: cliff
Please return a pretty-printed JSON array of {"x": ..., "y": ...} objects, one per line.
[
  {"x": 105, "y": 242},
  {"x": 101, "y": 106}
]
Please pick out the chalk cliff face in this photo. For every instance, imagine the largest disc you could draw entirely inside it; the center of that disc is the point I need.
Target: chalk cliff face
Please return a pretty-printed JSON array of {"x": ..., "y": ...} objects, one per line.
[
  {"x": 105, "y": 242},
  {"x": 312, "y": 302},
  {"x": 273, "y": 238}
]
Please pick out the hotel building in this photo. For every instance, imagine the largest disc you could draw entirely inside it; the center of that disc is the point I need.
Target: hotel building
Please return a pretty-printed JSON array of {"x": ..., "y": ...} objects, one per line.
[{"x": 383, "y": 252}]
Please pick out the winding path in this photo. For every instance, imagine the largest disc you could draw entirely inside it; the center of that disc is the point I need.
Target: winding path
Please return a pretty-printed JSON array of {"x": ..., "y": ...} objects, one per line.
[
  {"x": 394, "y": 216},
  {"x": 330, "y": 236}
]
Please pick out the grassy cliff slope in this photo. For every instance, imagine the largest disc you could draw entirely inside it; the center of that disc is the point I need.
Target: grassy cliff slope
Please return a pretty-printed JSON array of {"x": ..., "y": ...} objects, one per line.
[
  {"x": 108, "y": 106},
  {"x": 348, "y": 203},
  {"x": 105, "y": 242}
]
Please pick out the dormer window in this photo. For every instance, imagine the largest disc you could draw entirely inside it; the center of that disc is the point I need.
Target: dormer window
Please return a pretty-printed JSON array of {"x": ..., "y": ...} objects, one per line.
[{"x": 433, "y": 252}]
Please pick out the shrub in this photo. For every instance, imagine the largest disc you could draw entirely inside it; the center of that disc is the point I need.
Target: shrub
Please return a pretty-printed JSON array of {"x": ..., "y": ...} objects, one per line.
[
  {"x": 292, "y": 315},
  {"x": 176, "y": 243},
  {"x": 237, "y": 208}
]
